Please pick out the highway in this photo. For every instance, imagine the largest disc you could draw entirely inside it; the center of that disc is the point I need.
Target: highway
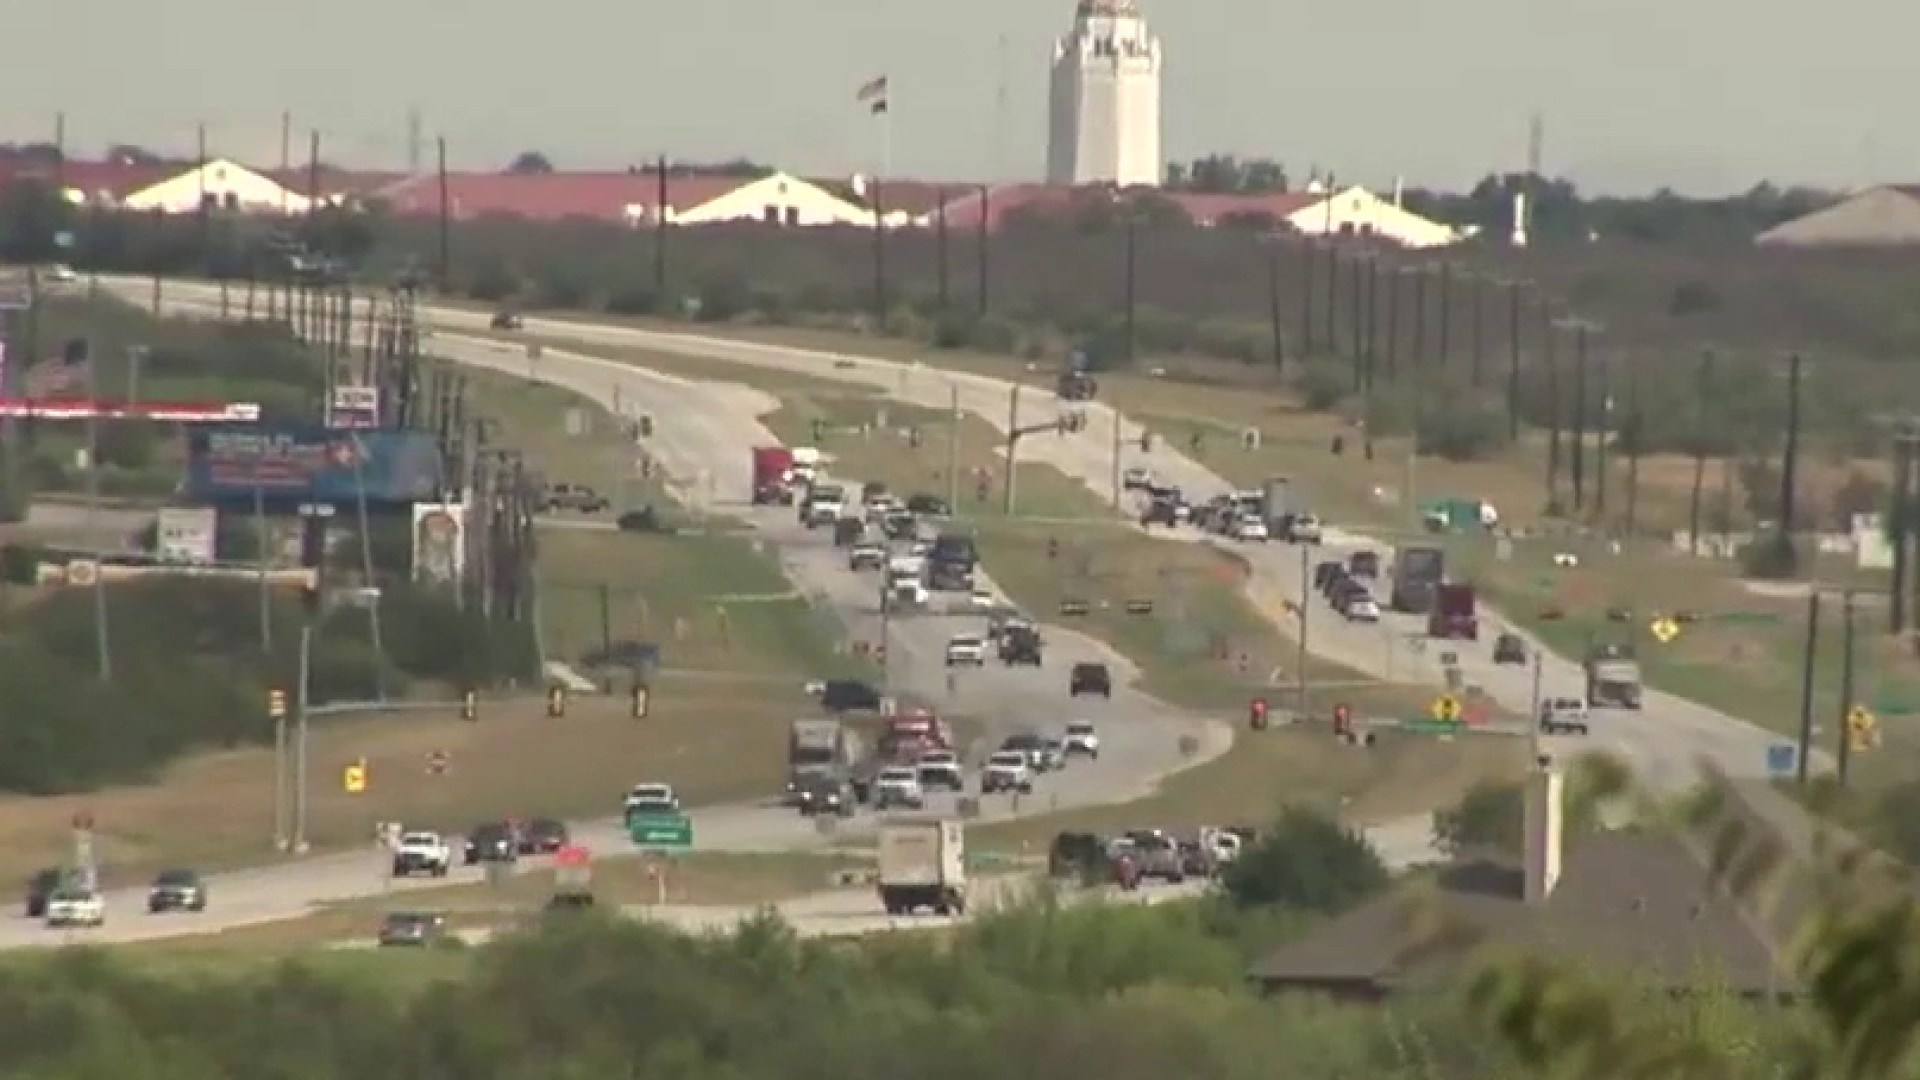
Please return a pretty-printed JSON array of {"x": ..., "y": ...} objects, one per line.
[
  {"x": 702, "y": 430},
  {"x": 1665, "y": 743}
]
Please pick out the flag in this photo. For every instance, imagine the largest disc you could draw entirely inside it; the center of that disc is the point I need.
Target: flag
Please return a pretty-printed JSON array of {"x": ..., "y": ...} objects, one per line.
[{"x": 873, "y": 94}]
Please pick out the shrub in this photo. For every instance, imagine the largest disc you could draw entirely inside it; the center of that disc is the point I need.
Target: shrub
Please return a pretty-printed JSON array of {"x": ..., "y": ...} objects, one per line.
[
  {"x": 1460, "y": 429},
  {"x": 1322, "y": 385},
  {"x": 1309, "y": 862}
]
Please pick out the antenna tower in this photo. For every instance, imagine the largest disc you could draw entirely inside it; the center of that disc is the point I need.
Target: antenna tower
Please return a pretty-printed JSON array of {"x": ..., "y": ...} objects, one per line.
[
  {"x": 1536, "y": 143},
  {"x": 416, "y": 142}
]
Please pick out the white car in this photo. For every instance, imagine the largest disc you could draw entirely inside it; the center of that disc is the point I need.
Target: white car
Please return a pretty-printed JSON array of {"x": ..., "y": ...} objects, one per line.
[
  {"x": 1007, "y": 770},
  {"x": 907, "y": 593},
  {"x": 984, "y": 600},
  {"x": 1304, "y": 529},
  {"x": 1363, "y": 609},
  {"x": 651, "y": 795},
  {"x": 941, "y": 769},
  {"x": 967, "y": 650},
  {"x": 1136, "y": 478},
  {"x": 71, "y": 906},
  {"x": 1082, "y": 739},
  {"x": 898, "y": 786},
  {"x": 422, "y": 853},
  {"x": 1250, "y": 529}
]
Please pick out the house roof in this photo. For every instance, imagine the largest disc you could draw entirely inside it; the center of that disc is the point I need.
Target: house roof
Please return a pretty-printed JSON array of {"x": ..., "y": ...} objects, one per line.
[
  {"x": 917, "y": 198},
  {"x": 557, "y": 196},
  {"x": 1211, "y": 208},
  {"x": 1642, "y": 902}
]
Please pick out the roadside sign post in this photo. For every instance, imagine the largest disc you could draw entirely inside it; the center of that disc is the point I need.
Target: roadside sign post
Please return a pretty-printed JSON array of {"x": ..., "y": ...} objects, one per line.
[
  {"x": 1446, "y": 710},
  {"x": 1664, "y": 630},
  {"x": 1783, "y": 759},
  {"x": 663, "y": 832}
]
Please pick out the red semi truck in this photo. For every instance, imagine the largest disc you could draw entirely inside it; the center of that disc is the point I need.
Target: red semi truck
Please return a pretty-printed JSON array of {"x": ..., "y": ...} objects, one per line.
[
  {"x": 772, "y": 476},
  {"x": 1455, "y": 614}
]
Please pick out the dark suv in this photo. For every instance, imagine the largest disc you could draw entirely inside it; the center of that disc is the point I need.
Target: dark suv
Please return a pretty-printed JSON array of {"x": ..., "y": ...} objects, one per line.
[
  {"x": 1089, "y": 679},
  {"x": 40, "y": 889},
  {"x": 496, "y": 841}
]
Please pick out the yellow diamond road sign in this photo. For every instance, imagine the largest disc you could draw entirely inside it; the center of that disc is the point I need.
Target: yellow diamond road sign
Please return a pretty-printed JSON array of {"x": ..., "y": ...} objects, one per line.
[
  {"x": 1446, "y": 708},
  {"x": 1863, "y": 729},
  {"x": 1664, "y": 630}
]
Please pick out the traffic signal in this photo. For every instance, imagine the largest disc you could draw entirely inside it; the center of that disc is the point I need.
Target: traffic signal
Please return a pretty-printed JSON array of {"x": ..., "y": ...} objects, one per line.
[
  {"x": 1257, "y": 714},
  {"x": 1342, "y": 720},
  {"x": 641, "y": 701},
  {"x": 276, "y": 704},
  {"x": 470, "y": 706},
  {"x": 556, "y": 701}
]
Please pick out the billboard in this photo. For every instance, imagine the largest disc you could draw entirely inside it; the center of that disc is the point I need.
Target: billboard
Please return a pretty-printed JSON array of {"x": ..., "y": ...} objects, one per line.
[
  {"x": 186, "y": 535},
  {"x": 439, "y": 542},
  {"x": 356, "y": 407},
  {"x": 228, "y": 463}
]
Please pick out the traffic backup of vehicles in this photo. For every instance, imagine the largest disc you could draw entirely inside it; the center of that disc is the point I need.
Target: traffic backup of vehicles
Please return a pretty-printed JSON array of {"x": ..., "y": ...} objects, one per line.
[
  {"x": 823, "y": 506},
  {"x": 1455, "y": 614},
  {"x": 923, "y": 864},
  {"x": 422, "y": 853}
]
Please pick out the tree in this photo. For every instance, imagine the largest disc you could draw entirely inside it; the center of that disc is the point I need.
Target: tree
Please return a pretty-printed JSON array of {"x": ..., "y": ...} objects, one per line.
[
  {"x": 1223, "y": 174},
  {"x": 1490, "y": 818},
  {"x": 1306, "y": 861},
  {"x": 531, "y": 163}
]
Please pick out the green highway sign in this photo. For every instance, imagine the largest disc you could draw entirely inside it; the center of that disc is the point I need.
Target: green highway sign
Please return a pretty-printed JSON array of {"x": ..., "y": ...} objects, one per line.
[
  {"x": 661, "y": 830},
  {"x": 1433, "y": 727}
]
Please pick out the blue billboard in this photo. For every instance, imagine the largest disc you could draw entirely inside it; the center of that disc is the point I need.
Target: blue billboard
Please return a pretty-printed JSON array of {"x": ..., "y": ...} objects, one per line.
[{"x": 236, "y": 463}]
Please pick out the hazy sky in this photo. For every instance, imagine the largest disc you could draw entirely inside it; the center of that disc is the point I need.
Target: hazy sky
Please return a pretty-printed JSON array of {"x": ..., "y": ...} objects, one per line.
[{"x": 1704, "y": 95}]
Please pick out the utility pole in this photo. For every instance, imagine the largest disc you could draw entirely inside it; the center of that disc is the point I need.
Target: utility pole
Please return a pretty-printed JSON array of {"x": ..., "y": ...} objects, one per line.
[
  {"x": 302, "y": 703},
  {"x": 1790, "y": 454},
  {"x": 1551, "y": 333},
  {"x": 1445, "y": 344},
  {"x": 1634, "y": 448},
  {"x": 1301, "y": 654},
  {"x": 1604, "y": 438},
  {"x": 1115, "y": 469},
  {"x": 1477, "y": 327},
  {"x": 101, "y": 637},
  {"x": 1306, "y": 298},
  {"x": 1515, "y": 291},
  {"x": 1131, "y": 290},
  {"x": 1703, "y": 390},
  {"x": 953, "y": 449},
  {"x": 1899, "y": 530},
  {"x": 1013, "y": 447},
  {"x": 445, "y": 215},
  {"x": 1579, "y": 419},
  {"x": 1806, "y": 681},
  {"x": 1844, "y": 752},
  {"x": 940, "y": 253},
  {"x": 879, "y": 256}
]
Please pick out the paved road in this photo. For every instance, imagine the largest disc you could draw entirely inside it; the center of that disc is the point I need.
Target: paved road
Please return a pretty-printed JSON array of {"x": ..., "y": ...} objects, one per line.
[
  {"x": 1665, "y": 743},
  {"x": 701, "y": 431}
]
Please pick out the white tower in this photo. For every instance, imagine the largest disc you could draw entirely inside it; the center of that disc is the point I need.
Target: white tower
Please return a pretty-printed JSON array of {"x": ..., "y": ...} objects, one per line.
[{"x": 1104, "y": 121}]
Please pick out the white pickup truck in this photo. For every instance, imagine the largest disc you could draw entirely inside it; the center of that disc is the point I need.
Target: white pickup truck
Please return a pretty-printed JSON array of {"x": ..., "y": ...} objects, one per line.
[{"x": 422, "y": 853}]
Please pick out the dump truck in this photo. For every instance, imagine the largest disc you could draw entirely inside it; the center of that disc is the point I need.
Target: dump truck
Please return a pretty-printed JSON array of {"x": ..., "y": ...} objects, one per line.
[
  {"x": 1613, "y": 675},
  {"x": 923, "y": 865},
  {"x": 772, "y": 476}
]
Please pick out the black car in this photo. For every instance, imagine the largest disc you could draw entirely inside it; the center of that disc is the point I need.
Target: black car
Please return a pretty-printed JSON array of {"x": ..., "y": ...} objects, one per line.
[
  {"x": 1509, "y": 649},
  {"x": 1325, "y": 572},
  {"x": 1340, "y": 581},
  {"x": 177, "y": 890},
  {"x": 849, "y": 695},
  {"x": 416, "y": 928},
  {"x": 1089, "y": 678},
  {"x": 819, "y": 795},
  {"x": 506, "y": 320},
  {"x": 1033, "y": 746},
  {"x": 1364, "y": 564},
  {"x": 928, "y": 505},
  {"x": 40, "y": 889},
  {"x": 495, "y": 841},
  {"x": 542, "y": 836}
]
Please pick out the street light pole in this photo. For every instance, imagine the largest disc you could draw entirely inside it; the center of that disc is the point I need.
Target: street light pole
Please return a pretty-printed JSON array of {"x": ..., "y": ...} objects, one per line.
[
  {"x": 1533, "y": 710},
  {"x": 1300, "y": 656},
  {"x": 301, "y": 702}
]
